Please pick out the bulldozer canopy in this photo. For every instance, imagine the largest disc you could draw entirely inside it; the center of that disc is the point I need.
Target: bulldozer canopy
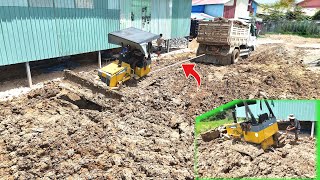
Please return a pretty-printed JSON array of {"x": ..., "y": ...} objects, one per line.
[{"x": 134, "y": 37}]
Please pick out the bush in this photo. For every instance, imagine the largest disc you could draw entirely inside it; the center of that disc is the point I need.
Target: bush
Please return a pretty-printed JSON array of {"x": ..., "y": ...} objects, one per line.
[
  {"x": 305, "y": 28},
  {"x": 316, "y": 16}
]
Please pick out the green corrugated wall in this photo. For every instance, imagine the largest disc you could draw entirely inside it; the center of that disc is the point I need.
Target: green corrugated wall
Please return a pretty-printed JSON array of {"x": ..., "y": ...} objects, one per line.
[
  {"x": 35, "y": 33},
  {"x": 169, "y": 17},
  {"x": 181, "y": 13},
  {"x": 304, "y": 110},
  {"x": 29, "y": 33}
]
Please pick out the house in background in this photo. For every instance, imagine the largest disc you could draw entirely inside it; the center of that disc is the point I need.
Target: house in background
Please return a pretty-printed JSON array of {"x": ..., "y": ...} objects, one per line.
[
  {"x": 253, "y": 8},
  {"x": 213, "y": 8},
  {"x": 222, "y": 8},
  {"x": 310, "y": 7}
]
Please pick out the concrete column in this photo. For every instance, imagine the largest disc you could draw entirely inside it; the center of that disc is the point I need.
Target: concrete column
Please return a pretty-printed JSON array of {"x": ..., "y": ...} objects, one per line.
[
  {"x": 312, "y": 129},
  {"x": 99, "y": 59},
  {"x": 28, "y": 74}
]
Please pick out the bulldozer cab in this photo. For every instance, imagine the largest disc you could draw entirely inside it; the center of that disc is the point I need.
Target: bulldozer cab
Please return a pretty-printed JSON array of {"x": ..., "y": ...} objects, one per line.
[
  {"x": 258, "y": 129},
  {"x": 134, "y": 60},
  {"x": 139, "y": 41}
]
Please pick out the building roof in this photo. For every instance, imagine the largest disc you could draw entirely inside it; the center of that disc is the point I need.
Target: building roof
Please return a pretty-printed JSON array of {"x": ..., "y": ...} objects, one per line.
[
  {"x": 201, "y": 16},
  {"x": 205, "y": 2},
  {"x": 310, "y": 4}
]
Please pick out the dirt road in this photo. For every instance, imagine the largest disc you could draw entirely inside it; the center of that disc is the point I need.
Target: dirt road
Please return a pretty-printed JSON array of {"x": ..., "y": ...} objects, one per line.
[{"x": 67, "y": 131}]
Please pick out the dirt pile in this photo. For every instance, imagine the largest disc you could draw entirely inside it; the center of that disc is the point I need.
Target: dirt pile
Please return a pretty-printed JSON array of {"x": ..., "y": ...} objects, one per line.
[
  {"x": 65, "y": 130},
  {"x": 219, "y": 158}
]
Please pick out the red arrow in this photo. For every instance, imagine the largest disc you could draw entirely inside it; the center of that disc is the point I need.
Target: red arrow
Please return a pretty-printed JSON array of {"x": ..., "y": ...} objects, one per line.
[{"x": 189, "y": 70}]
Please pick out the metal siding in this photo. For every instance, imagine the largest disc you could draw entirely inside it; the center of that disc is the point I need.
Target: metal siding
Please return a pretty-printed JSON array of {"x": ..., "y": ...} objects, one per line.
[
  {"x": 302, "y": 109},
  {"x": 35, "y": 33},
  {"x": 229, "y": 11},
  {"x": 3, "y": 52},
  {"x": 181, "y": 11},
  {"x": 136, "y": 10},
  {"x": 125, "y": 14},
  {"x": 161, "y": 17},
  {"x": 215, "y": 10},
  {"x": 198, "y": 9}
]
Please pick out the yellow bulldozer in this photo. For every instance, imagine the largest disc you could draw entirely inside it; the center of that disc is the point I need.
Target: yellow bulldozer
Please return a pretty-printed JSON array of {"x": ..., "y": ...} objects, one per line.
[
  {"x": 134, "y": 60},
  {"x": 262, "y": 130}
]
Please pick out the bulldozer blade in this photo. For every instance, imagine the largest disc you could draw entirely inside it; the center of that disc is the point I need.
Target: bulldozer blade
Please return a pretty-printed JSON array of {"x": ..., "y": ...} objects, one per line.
[
  {"x": 248, "y": 149},
  {"x": 95, "y": 88},
  {"x": 279, "y": 139}
]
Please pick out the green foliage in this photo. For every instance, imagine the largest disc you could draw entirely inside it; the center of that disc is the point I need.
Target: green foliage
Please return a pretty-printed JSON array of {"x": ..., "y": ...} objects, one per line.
[
  {"x": 287, "y": 18},
  {"x": 316, "y": 16},
  {"x": 296, "y": 14},
  {"x": 283, "y": 10},
  {"x": 202, "y": 127},
  {"x": 304, "y": 28},
  {"x": 218, "y": 116}
]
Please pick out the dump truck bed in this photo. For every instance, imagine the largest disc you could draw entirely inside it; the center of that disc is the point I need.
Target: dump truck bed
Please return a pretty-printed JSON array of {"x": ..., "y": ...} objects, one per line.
[{"x": 223, "y": 32}]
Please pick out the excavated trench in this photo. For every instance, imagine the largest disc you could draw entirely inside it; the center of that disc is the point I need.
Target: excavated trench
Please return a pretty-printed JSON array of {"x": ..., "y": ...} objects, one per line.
[{"x": 81, "y": 102}]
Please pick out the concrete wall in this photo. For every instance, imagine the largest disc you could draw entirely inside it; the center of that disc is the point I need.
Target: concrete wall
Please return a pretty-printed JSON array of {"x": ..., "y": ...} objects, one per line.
[{"x": 241, "y": 9}]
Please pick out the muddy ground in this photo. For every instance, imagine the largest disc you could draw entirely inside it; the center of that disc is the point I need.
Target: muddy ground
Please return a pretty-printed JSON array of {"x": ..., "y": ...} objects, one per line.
[
  {"x": 65, "y": 130},
  {"x": 226, "y": 159}
]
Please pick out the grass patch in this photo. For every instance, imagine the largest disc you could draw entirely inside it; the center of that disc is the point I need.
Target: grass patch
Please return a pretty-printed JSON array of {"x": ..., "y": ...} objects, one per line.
[{"x": 202, "y": 127}]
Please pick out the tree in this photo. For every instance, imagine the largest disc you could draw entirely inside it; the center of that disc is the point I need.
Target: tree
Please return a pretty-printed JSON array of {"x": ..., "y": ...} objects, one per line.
[
  {"x": 296, "y": 14},
  {"x": 284, "y": 10}
]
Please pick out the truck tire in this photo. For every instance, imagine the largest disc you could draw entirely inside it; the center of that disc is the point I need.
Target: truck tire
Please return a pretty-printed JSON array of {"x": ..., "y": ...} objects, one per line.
[
  {"x": 235, "y": 56},
  {"x": 201, "y": 49},
  {"x": 224, "y": 60}
]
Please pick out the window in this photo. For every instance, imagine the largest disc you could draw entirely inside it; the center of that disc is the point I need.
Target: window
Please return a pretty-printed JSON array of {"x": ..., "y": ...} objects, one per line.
[
  {"x": 14, "y": 3},
  {"x": 64, "y": 3},
  {"x": 41, "y": 3},
  {"x": 84, "y": 4}
]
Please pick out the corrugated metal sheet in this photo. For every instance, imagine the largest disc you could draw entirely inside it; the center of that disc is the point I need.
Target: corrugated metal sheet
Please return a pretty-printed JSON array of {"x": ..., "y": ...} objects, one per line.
[
  {"x": 35, "y": 33},
  {"x": 55, "y": 28},
  {"x": 302, "y": 109},
  {"x": 125, "y": 14},
  {"x": 181, "y": 10},
  {"x": 161, "y": 15},
  {"x": 215, "y": 10},
  {"x": 229, "y": 11}
]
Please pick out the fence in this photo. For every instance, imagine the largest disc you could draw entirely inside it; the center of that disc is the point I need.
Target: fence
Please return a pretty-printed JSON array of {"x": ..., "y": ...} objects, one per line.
[{"x": 308, "y": 28}]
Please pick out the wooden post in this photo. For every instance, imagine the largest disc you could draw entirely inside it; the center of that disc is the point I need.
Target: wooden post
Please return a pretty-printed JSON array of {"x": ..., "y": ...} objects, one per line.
[
  {"x": 28, "y": 74},
  {"x": 99, "y": 59},
  {"x": 168, "y": 45},
  {"x": 312, "y": 129}
]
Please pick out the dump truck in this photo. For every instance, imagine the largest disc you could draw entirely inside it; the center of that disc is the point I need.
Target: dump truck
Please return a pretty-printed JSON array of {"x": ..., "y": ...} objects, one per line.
[
  {"x": 135, "y": 59},
  {"x": 224, "y": 41}
]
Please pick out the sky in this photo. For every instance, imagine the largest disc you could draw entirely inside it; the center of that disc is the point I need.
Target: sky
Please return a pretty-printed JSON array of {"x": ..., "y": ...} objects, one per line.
[{"x": 270, "y": 1}]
